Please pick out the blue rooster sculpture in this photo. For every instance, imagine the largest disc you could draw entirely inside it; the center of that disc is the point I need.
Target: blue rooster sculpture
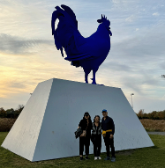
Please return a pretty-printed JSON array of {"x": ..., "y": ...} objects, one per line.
[{"x": 88, "y": 53}]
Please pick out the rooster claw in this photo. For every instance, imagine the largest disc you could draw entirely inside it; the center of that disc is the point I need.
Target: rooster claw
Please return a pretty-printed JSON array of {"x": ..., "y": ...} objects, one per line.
[{"x": 93, "y": 81}]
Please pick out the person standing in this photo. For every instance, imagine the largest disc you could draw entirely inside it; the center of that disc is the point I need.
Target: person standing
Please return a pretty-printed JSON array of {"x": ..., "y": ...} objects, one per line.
[
  {"x": 96, "y": 137},
  {"x": 84, "y": 139},
  {"x": 108, "y": 128}
]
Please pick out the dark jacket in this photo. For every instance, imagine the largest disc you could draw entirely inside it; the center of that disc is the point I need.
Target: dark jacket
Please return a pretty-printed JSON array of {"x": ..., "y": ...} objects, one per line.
[
  {"x": 83, "y": 125},
  {"x": 78, "y": 132},
  {"x": 108, "y": 124}
]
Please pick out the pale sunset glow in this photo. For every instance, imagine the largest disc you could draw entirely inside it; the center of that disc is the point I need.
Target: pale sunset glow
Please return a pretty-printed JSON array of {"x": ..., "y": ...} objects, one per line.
[{"x": 135, "y": 63}]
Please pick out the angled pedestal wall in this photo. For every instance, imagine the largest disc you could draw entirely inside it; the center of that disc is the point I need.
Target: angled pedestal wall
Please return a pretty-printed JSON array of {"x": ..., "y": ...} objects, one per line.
[{"x": 45, "y": 128}]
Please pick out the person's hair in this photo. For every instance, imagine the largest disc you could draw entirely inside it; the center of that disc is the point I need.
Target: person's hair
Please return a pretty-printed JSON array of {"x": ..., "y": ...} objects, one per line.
[
  {"x": 95, "y": 117},
  {"x": 86, "y": 113},
  {"x": 89, "y": 118}
]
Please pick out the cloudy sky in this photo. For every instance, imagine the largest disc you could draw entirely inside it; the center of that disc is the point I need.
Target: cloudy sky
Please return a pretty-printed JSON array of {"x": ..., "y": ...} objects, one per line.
[{"x": 135, "y": 63}]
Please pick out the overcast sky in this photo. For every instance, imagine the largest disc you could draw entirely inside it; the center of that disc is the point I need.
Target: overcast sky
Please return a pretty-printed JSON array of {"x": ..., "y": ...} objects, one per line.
[{"x": 135, "y": 63}]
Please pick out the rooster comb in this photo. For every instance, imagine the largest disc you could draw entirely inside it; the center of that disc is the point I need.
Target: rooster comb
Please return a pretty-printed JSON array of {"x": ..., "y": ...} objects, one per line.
[{"x": 103, "y": 18}]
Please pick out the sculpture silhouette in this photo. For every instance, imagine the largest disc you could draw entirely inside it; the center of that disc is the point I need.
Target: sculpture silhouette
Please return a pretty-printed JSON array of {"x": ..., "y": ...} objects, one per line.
[{"x": 88, "y": 53}]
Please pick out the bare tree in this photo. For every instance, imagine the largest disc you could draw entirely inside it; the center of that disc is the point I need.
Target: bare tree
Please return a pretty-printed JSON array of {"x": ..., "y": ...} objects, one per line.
[
  {"x": 19, "y": 109},
  {"x": 140, "y": 113}
]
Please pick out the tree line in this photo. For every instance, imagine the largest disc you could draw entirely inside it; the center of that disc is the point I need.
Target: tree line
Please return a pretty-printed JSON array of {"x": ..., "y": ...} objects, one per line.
[
  {"x": 155, "y": 115},
  {"x": 11, "y": 113}
]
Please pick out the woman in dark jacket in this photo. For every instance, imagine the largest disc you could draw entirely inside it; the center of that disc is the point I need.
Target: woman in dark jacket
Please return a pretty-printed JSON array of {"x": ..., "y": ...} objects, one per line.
[
  {"x": 84, "y": 140},
  {"x": 96, "y": 136}
]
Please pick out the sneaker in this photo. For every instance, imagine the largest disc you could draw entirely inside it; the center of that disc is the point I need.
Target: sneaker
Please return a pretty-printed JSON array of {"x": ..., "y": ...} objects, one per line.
[
  {"x": 113, "y": 159},
  {"x": 81, "y": 158},
  {"x": 107, "y": 158},
  {"x": 99, "y": 157},
  {"x": 95, "y": 158},
  {"x": 86, "y": 157}
]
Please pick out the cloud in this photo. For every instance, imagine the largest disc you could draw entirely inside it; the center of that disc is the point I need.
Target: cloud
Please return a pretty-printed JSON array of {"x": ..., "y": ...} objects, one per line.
[
  {"x": 155, "y": 14},
  {"x": 136, "y": 63},
  {"x": 132, "y": 86},
  {"x": 14, "y": 84},
  {"x": 18, "y": 45},
  {"x": 162, "y": 65},
  {"x": 148, "y": 45},
  {"x": 130, "y": 18},
  {"x": 115, "y": 66}
]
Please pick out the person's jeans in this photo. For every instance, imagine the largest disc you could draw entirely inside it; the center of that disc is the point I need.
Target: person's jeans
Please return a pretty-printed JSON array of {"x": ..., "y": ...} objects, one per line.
[
  {"x": 109, "y": 143},
  {"x": 97, "y": 148},
  {"x": 97, "y": 145},
  {"x": 84, "y": 142}
]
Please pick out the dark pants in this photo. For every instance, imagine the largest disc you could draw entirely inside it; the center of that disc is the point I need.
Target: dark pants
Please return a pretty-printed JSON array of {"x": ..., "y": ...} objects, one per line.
[
  {"x": 97, "y": 145},
  {"x": 84, "y": 141},
  {"x": 109, "y": 143}
]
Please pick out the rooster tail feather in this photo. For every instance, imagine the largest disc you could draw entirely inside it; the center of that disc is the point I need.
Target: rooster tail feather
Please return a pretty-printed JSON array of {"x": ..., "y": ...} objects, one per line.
[
  {"x": 71, "y": 14},
  {"x": 54, "y": 17},
  {"x": 66, "y": 28}
]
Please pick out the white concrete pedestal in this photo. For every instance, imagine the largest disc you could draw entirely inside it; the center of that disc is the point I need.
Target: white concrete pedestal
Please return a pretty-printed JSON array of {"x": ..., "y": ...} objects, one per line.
[{"x": 45, "y": 128}]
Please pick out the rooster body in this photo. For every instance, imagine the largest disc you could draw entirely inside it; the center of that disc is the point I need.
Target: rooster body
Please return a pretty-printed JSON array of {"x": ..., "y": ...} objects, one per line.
[{"x": 88, "y": 53}]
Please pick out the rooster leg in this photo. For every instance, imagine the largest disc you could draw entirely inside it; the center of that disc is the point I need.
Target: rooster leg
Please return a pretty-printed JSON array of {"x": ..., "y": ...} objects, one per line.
[
  {"x": 87, "y": 71},
  {"x": 86, "y": 78},
  {"x": 94, "y": 76}
]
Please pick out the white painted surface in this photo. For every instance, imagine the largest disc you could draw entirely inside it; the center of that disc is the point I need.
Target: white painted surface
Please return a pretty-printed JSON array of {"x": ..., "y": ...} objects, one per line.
[
  {"x": 23, "y": 136},
  {"x": 45, "y": 129}
]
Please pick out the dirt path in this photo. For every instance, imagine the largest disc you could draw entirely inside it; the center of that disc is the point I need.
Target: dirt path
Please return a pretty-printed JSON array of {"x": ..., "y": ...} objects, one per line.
[{"x": 157, "y": 133}]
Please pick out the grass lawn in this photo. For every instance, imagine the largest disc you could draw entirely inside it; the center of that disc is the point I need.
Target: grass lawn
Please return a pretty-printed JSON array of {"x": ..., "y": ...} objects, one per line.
[{"x": 153, "y": 157}]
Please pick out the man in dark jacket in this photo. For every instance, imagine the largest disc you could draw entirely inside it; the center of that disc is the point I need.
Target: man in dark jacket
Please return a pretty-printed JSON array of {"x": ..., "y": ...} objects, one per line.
[{"x": 108, "y": 128}]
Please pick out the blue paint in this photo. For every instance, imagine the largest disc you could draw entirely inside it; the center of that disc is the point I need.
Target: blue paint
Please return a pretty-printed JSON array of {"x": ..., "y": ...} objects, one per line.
[{"x": 88, "y": 53}]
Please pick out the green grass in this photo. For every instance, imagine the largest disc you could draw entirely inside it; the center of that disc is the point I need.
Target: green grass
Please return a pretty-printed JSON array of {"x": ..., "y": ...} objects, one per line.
[{"x": 153, "y": 157}]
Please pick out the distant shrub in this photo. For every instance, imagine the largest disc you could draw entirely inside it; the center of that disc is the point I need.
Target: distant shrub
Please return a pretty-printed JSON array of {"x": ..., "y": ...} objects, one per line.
[
  {"x": 2, "y": 113},
  {"x": 153, "y": 125},
  {"x": 11, "y": 113},
  {"x": 18, "y": 110},
  {"x": 155, "y": 115},
  {"x": 6, "y": 124}
]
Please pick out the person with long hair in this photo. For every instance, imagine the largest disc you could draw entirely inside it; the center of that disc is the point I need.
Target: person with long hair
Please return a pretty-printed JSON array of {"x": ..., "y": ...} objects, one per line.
[
  {"x": 96, "y": 136},
  {"x": 84, "y": 139}
]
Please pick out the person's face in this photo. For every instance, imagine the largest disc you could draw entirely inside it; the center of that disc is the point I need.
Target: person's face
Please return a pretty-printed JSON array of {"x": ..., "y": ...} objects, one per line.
[
  {"x": 104, "y": 114},
  {"x": 96, "y": 119},
  {"x": 86, "y": 117}
]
